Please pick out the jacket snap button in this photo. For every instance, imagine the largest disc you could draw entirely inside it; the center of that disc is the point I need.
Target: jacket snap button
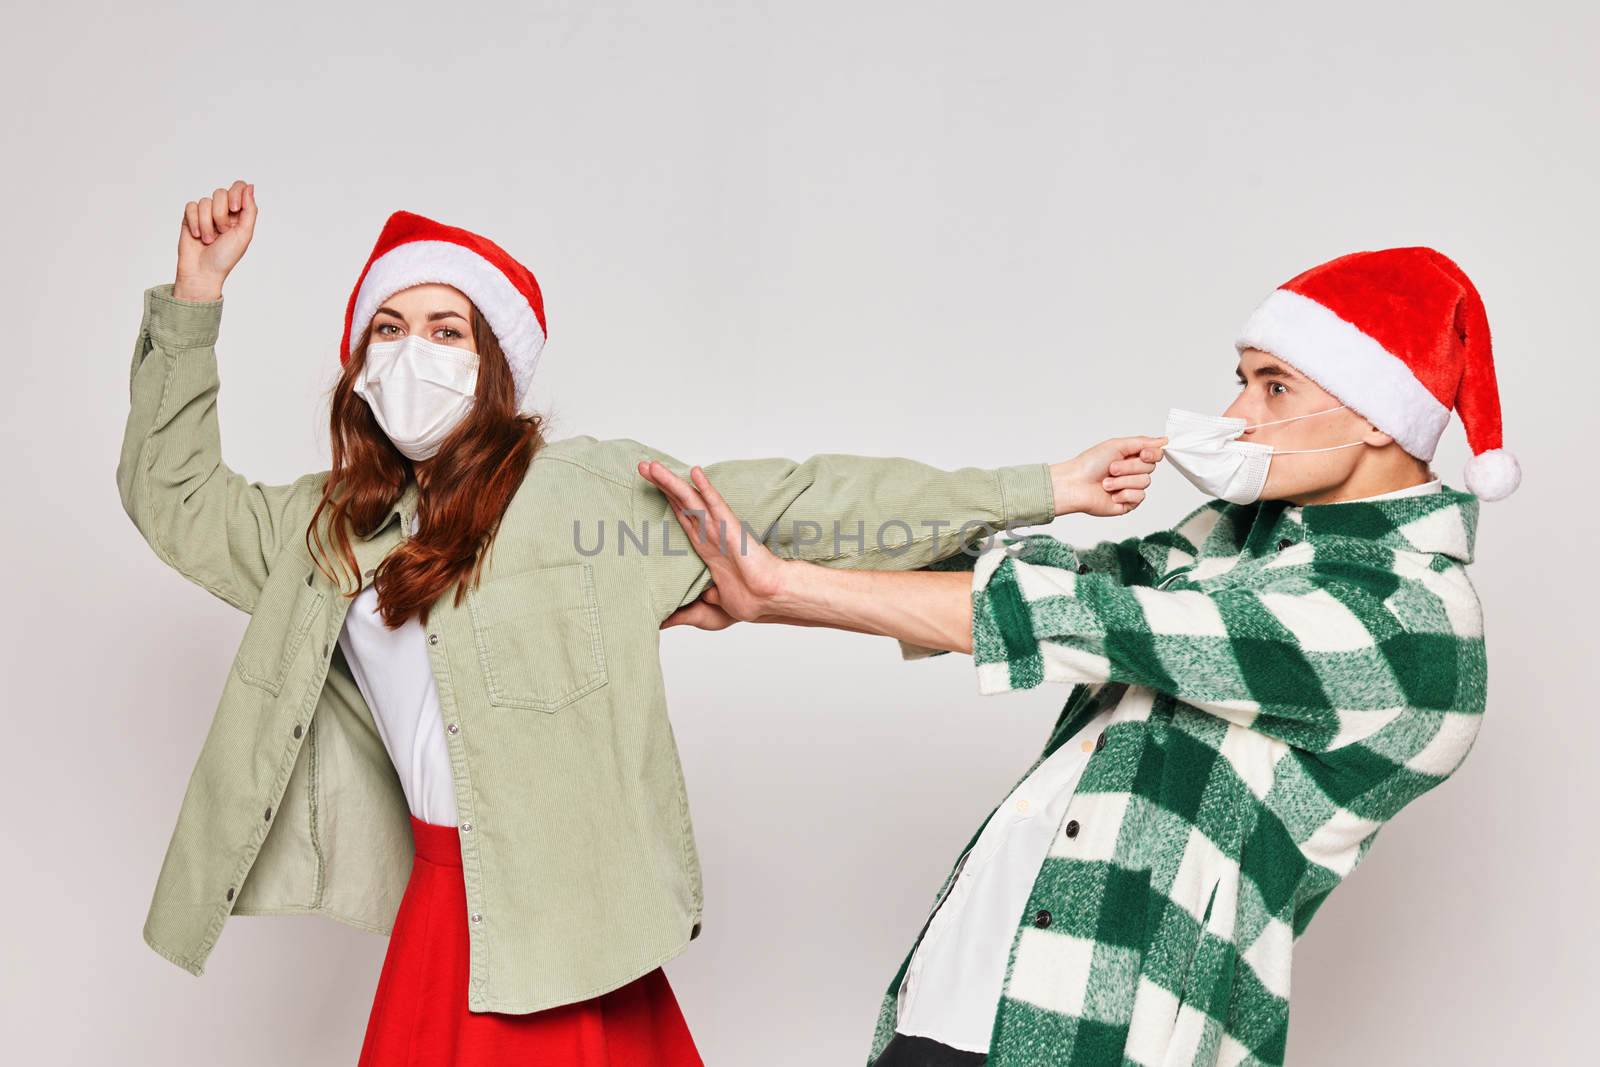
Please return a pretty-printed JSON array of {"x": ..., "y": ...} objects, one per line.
[
  {"x": 453, "y": 728},
  {"x": 433, "y": 639},
  {"x": 230, "y": 892},
  {"x": 371, "y": 571},
  {"x": 1083, "y": 568},
  {"x": 268, "y": 815},
  {"x": 298, "y": 730},
  {"x": 466, "y": 827},
  {"x": 1285, "y": 543},
  {"x": 1072, "y": 828},
  {"x": 1100, "y": 742},
  {"x": 477, "y": 918},
  {"x": 1042, "y": 919}
]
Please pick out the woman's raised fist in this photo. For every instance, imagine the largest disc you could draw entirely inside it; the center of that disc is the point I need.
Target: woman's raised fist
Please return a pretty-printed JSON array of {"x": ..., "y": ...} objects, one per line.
[{"x": 215, "y": 232}]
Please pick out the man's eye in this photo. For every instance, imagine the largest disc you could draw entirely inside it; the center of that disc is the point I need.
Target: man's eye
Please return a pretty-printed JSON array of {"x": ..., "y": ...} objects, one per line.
[{"x": 1277, "y": 385}]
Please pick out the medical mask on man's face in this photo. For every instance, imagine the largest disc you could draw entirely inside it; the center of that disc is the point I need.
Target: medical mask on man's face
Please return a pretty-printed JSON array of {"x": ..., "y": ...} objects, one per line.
[
  {"x": 1205, "y": 450},
  {"x": 418, "y": 391}
]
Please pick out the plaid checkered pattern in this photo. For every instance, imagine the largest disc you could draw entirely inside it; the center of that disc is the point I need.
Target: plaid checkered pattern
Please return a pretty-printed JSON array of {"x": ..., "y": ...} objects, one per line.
[{"x": 1285, "y": 679}]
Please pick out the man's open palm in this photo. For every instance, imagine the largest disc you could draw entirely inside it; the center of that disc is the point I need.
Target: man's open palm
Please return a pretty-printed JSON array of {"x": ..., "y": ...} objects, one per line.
[{"x": 744, "y": 572}]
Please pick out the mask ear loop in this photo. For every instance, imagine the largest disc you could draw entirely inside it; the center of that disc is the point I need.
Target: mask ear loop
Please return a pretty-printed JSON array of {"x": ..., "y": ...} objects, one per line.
[
  {"x": 1292, "y": 418},
  {"x": 1330, "y": 448},
  {"x": 1298, "y": 451}
]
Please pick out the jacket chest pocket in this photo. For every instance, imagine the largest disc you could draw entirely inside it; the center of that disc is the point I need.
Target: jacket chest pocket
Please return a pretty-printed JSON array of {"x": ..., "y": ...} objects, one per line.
[
  {"x": 288, "y": 605},
  {"x": 538, "y": 637}
]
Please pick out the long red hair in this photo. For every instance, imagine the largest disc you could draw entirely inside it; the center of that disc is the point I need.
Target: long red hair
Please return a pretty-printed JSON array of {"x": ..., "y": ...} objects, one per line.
[{"x": 463, "y": 490}]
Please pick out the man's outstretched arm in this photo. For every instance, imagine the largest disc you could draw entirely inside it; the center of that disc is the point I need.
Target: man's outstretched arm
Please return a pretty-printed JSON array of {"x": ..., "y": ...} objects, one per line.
[
  {"x": 929, "y": 608},
  {"x": 886, "y": 513},
  {"x": 932, "y": 609},
  {"x": 1315, "y": 659}
]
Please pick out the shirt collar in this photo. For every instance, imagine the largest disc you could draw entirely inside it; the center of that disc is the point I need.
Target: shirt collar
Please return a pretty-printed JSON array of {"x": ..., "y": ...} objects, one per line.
[
  {"x": 1411, "y": 490},
  {"x": 404, "y": 507},
  {"x": 1430, "y": 517}
]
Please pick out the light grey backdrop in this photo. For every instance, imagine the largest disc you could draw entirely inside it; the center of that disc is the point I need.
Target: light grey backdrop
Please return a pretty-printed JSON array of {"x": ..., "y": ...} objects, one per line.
[{"x": 973, "y": 234}]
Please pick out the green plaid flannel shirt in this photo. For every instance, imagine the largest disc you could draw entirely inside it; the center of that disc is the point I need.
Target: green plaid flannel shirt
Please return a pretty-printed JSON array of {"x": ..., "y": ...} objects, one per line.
[{"x": 1285, "y": 679}]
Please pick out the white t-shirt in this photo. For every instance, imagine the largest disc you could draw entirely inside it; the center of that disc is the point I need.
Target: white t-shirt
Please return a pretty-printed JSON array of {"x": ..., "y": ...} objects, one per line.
[
  {"x": 953, "y": 982},
  {"x": 392, "y": 670}
]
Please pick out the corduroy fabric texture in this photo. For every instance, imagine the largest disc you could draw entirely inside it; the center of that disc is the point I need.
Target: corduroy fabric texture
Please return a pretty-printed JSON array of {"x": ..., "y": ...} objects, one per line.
[
  {"x": 419, "y": 1011},
  {"x": 580, "y": 869}
]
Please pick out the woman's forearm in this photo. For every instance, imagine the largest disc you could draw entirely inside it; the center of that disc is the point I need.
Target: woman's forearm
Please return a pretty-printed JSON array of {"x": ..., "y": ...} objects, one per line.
[{"x": 928, "y": 608}]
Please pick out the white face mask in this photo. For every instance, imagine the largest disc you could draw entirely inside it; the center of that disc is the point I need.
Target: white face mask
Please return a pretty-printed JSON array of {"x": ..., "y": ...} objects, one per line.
[
  {"x": 418, "y": 391},
  {"x": 1204, "y": 449}
]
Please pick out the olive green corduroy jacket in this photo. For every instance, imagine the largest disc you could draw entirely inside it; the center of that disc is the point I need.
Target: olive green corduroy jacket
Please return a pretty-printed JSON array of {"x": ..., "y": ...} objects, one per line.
[{"x": 577, "y": 846}]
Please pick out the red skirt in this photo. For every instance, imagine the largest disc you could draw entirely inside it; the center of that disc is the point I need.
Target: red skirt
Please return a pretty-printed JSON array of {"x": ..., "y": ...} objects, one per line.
[{"x": 419, "y": 1013}]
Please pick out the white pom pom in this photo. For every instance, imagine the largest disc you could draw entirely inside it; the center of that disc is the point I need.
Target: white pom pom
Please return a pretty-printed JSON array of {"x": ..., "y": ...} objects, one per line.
[{"x": 1493, "y": 474}]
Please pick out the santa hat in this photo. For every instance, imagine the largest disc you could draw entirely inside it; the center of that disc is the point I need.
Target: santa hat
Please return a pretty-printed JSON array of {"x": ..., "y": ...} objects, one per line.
[
  {"x": 412, "y": 250},
  {"x": 1399, "y": 335}
]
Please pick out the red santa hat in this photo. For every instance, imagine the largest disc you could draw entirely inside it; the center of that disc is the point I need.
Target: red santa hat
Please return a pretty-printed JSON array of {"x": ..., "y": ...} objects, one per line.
[
  {"x": 412, "y": 250},
  {"x": 1399, "y": 335}
]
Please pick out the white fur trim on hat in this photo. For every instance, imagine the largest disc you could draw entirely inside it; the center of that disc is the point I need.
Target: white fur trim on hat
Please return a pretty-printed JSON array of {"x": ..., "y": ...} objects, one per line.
[
  {"x": 1349, "y": 364},
  {"x": 502, "y": 305},
  {"x": 1492, "y": 474}
]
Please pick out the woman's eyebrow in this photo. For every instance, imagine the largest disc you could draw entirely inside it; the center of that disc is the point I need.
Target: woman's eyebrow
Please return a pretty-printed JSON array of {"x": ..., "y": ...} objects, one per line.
[{"x": 433, "y": 316}]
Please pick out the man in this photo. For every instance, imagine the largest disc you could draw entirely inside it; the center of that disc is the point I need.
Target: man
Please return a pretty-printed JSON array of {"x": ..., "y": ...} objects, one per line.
[{"x": 1255, "y": 691}]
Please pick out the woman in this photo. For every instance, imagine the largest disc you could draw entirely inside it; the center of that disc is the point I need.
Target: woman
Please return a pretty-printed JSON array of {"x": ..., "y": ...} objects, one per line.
[{"x": 446, "y": 719}]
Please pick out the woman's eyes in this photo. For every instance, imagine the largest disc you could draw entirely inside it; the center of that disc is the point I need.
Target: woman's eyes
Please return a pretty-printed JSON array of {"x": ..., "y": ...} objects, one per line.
[{"x": 450, "y": 332}]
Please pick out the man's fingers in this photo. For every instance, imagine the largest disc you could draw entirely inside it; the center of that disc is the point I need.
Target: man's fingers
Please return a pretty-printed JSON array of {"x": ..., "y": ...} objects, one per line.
[
  {"x": 714, "y": 510},
  {"x": 709, "y": 493},
  {"x": 714, "y": 500},
  {"x": 690, "y": 528},
  {"x": 708, "y": 533},
  {"x": 682, "y": 503},
  {"x": 689, "y": 523},
  {"x": 692, "y": 517},
  {"x": 674, "y": 487},
  {"x": 710, "y": 505},
  {"x": 699, "y": 615}
]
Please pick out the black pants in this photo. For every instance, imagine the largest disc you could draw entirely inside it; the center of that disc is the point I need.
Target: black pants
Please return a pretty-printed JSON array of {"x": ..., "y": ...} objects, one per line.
[{"x": 904, "y": 1051}]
